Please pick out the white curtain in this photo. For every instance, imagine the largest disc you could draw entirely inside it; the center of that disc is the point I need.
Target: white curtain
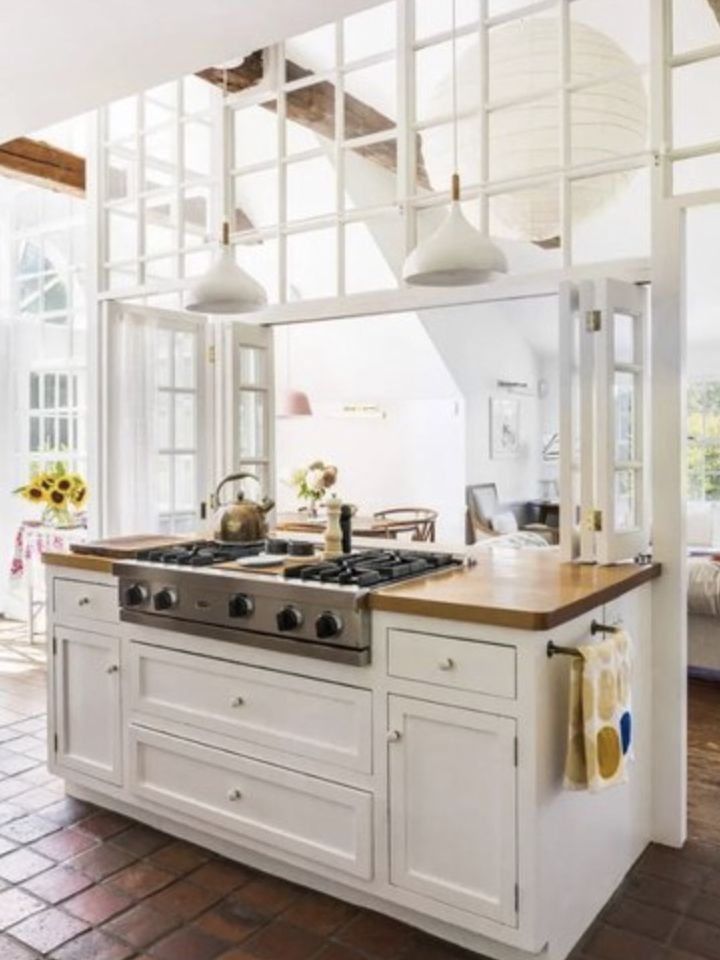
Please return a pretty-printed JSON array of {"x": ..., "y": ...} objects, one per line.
[{"x": 132, "y": 421}]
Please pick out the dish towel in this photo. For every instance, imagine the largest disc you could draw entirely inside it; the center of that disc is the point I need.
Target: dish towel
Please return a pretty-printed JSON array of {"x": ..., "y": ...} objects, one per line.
[{"x": 600, "y": 720}]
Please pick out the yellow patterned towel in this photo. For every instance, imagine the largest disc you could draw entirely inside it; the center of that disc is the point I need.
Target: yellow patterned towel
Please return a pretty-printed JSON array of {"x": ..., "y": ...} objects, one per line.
[{"x": 600, "y": 721}]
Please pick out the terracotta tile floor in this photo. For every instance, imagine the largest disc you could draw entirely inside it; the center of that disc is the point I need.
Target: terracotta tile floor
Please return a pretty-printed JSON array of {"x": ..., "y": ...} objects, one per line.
[{"x": 79, "y": 883}]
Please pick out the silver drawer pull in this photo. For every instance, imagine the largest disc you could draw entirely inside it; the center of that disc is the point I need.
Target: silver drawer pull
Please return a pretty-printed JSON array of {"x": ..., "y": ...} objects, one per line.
[
  {"x": 83, "y": 601},
  {"x": 113, "y": 668},
  {"x": 237, "y": 702},
  {"x": 234, "y": 795},
  {"x": 393, "y": 736},
  {"x": 447, "y": 664}
]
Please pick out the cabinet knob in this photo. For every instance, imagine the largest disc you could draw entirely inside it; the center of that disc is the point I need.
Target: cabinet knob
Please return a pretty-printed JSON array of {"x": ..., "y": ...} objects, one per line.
[
  {"x": 447, "y": 664},
  {"x": 113, "y": 668},
  {"x": 83, "y": 601},
  {"x": 234, "y": 795},
  {"x": 237, "y": 702},
  {"x": 393, "y": 736}
]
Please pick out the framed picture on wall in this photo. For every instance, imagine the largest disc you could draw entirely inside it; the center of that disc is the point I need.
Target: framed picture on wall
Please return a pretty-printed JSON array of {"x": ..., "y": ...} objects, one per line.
[{"x": 504, "y": 428}]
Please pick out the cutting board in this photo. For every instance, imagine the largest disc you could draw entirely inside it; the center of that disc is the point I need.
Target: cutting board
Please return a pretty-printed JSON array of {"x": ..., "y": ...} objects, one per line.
[{"x": 126, "y": 548}]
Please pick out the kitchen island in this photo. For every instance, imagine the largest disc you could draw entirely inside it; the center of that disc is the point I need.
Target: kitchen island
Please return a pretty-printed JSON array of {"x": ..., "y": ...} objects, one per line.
[{"x": 426, "y": 784}]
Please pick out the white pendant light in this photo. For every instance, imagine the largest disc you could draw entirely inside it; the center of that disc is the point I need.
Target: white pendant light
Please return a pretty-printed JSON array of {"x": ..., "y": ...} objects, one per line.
[
  {"x": 226, "y": 287},
  {"x": 456, "y": 254}
]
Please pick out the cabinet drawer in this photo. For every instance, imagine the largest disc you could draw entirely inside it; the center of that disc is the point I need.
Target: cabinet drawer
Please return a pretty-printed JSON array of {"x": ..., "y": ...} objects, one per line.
[
  {"x": 89, "y": 601},
  {"x": 449, "y": 662},
  {"x": 278, "y": 810},
  {"x": 308, "y": 718}
]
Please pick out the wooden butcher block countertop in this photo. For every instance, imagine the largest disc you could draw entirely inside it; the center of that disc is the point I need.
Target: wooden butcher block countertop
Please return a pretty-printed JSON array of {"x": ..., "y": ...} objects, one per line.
[{"x": 525, "y": 589}]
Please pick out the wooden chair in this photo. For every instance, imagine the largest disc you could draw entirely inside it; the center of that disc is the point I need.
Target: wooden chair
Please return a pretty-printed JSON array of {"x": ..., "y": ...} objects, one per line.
[{"x": 419, "y": 522}]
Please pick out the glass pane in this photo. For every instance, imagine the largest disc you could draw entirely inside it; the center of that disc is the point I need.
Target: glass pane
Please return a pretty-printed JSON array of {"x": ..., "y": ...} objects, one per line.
[
  {"x": 184, "y": 360},
  {"x": 197, "y": 144},
  {"x": 252, "y": 366},
  {"x": 164, "y": 427},
  {"x": 163, "y": 482},
  {"x": 63, "y": 433},
  {"x": 378, "y": 190},
  {"x": 49, "y": 434},
  {"x": 185, "y": 421},
  {"x": 432, "y": 17},
  {"x": 121, "y": 118},
  {"x": 163, "y": 368},
  {"x": 196, "y": 94},
  {"x": 694, "y": 25},
  {"x": 310, "y": 114},
  {"x": 311, "y": 190},
  {"x": 122, "y": 236},
  {"x": 251, "y": 423},
  {"x": 625, "y": 418},
  {"x": 121, "y": 276},
  {"x": 697, "y": 173},
  {"x": 312, "y": 264},
  {"x": 63, "y": 390},
  {"x": 299, "y": 138},
  {"x": 374, "y": 253},
  {"x": 34, "y": 391},
  {"x": 624, "y": 327},
  {"x": 185, "y": 484},
  {"x": 370, "y": 100},
  {"x": 608, "y": 36},
  {"x": 49, "y": 391},
  {"x": 314, "y": 50},
  {"x": 161, "y": 268},
  {"x": 611, "y": 216},
  {"x": 497, "y": 8},
  {"x": 524, "y": 139},
  {"x": 160, "y": 226},
  {"x": 255, "y": 134},
  {"x": 256, "y": 195},
  {"x": 609, "y": 121},
  {"x": 524, "y": 57},
  {"x": 160, "y": 104},
  {"x": 120, "y": 176},
  {"x": 532, "y": 214},
  {"x": 433, "y": 79},
  {"x": 625, "y": 500},
  {"x": 691, "y": 85},
  {"x": 434, "y": 163},
  {"x": 370, "y": 32},
  {"x": 195, "y": 216},
  {"x": 157, "y": 176},
  {"x": 161, "y": 145},
  {"x": 35, "y": 434}
]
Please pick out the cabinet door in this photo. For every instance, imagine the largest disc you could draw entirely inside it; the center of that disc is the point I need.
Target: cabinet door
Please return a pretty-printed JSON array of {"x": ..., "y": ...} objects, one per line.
[
  {"x": 87, "y": 703},
  {"x": 452, "y": 806}
]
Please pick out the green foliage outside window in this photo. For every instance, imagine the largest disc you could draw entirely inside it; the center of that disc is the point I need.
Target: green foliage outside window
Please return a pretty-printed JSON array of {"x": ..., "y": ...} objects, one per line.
[{"x": 704, "y": 440}]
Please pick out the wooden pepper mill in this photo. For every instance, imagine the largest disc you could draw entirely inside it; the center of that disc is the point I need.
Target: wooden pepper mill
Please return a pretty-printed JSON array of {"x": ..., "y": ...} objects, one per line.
[{"x": 333, "y": 533}]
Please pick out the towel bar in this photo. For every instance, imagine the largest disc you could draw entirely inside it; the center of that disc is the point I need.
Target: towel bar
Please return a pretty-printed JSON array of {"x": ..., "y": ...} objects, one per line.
[{"x": 595, "y": 627}]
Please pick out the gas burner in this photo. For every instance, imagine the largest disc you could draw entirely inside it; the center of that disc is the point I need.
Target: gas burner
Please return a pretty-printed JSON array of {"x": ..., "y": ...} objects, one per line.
[
  {"x": 201, "y": 553},
  {"x": 372, "y": 567}
]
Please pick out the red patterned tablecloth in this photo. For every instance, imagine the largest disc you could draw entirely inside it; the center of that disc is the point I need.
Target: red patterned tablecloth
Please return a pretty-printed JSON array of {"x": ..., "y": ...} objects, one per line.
[{"x": 34, "y": 538}]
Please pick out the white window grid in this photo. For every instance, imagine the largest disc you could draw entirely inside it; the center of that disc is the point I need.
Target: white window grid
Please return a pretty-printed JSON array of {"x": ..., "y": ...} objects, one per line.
[
  {"x": 409, "y": 202},
  {"x": 56, "y": 428}
]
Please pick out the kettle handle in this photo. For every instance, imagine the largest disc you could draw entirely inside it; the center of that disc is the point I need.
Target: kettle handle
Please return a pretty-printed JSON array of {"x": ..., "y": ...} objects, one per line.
[{"x": 229, "y": 479}]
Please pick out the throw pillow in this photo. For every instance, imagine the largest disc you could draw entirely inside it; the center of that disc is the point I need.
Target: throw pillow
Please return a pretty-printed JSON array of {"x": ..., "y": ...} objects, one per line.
[{"x": 504, "y": 523}]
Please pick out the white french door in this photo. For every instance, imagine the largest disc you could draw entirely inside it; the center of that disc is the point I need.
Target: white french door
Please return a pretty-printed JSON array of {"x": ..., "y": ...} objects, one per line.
[{"x": 604, "y": 408}]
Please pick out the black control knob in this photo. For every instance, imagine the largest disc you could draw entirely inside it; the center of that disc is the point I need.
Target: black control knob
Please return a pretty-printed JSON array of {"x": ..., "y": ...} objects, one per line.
[
  {"x": 240, "y": 605},
  {"x": 164, "y": 599},
  {"x": 135, "y": 594},
  {"x": 289, "y": 618},
  {"x": 327, "y": 625}
]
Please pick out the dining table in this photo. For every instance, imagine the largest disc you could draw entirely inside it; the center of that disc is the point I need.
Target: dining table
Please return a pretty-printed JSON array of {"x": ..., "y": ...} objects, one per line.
[{"x": 361, "y": 526}]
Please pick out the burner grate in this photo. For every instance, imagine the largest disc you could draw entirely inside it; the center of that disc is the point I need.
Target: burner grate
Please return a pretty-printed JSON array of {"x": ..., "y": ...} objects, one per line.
[{"x": 371, "y": 567}]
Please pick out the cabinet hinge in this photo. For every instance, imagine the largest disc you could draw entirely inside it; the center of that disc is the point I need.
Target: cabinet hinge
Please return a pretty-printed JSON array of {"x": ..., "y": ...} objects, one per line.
[
  {"x": 211, "y": 353},
  {"x": 516, "y": 750},
  {"x": 517, "y": 898},
  {"x": 593, "y": 321},
  {"x": 594, "y": 520},
  {"x": 55, "y": 743},
  {"x": 54, "y": 645}
]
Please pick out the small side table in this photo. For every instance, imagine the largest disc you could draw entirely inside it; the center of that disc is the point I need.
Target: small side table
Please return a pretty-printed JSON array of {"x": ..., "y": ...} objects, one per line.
[{"x": 31, "y": 541}]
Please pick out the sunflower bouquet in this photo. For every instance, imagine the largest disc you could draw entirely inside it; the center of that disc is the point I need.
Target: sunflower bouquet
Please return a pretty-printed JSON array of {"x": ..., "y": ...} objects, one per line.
[{"x": 63, "y": 495}]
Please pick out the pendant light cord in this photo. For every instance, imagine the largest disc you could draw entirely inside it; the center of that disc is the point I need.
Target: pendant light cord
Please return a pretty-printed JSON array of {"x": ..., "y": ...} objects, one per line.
[{"x": 455, "y": 189}]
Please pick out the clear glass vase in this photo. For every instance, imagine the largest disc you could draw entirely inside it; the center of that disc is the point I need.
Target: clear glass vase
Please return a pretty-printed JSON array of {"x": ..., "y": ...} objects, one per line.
[{"x": 57, "y": 517}]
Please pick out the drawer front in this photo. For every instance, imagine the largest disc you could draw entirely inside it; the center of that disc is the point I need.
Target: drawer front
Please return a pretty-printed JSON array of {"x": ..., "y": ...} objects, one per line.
[
  {"x": 463, "y": 664},
  {"x": 282, "y": 811},
  {"x": 308, "y": 718},
  {"x": 88, "y": 601}
]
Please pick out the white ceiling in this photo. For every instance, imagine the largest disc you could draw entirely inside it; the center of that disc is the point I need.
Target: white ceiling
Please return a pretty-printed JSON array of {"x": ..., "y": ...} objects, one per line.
[{"x": 61, "y": 59}]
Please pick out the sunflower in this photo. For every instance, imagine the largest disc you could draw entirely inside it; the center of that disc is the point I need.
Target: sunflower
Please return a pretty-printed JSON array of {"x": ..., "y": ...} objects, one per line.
[
  {"x": 64, "y": 483},
  {"x": 78, "y": 496},
  {"x": 33, "y": 492},
  {"x": 44, "y": 480},
  {"x": 57, "y": 498}
]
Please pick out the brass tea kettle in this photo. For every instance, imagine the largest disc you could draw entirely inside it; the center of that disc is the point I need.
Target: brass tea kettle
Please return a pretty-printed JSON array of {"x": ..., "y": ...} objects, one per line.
[{"x": 242, "y": 520}]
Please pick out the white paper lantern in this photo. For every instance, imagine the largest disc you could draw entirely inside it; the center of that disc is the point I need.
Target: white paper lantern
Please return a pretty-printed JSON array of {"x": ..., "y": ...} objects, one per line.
[{"x": 607, "y": 121}]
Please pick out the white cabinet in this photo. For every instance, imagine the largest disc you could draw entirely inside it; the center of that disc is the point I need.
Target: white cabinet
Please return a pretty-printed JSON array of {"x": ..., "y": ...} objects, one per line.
[
  {"x": 452, "y": 785},
  {"x": 87, "y": 703}
]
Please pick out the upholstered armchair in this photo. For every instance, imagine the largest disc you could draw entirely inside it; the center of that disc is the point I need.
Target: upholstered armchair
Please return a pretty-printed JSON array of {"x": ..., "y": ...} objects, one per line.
[{"x": 486, "y": 516}]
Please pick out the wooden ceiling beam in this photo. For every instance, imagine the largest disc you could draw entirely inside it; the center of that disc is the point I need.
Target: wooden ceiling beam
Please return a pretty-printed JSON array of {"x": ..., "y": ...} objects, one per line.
[
  {"x": 43, "y": 164},
  {"x": 715, "y": 7},
  {"x": 313, "y": 107}
]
